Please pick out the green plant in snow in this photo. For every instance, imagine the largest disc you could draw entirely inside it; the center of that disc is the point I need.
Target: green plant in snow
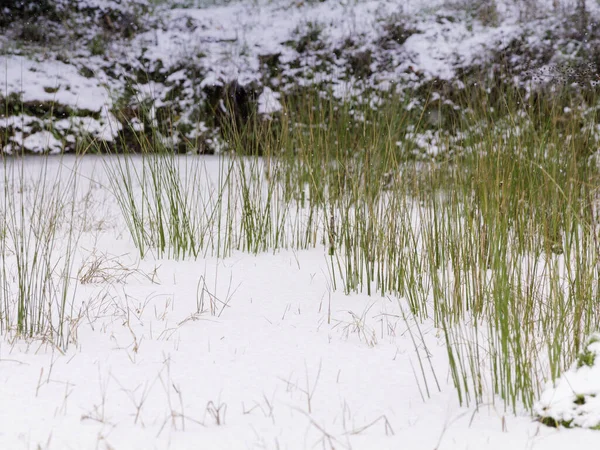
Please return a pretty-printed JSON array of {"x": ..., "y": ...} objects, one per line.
[
  {"x": 588, "y": 356},
  {"x": 37, "y": 244},
  {"x": 493, "y": 240}
]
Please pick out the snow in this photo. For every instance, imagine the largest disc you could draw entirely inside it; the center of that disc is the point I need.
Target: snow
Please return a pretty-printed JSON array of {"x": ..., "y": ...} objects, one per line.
[
  {"x": 575, "y": 397},
  {"x": 274, "y": 357},
  {"x": 268, "y": 101},
  {"x": 42, "y": 141},
  {"x": 232, "y": 353},
  {"x": 225, "y": 42},
  {"x": 51, "y": 81},
  {"x": 439, "y": 45}
]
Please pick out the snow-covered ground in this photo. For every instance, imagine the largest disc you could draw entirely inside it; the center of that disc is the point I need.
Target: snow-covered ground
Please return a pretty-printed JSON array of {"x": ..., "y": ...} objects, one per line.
[
  {"x": 234, "y": 353},
  {"x": 248, "y": 351}
]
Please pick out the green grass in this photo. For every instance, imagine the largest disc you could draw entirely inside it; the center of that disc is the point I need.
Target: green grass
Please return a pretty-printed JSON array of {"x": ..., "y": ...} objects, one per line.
[
  {"x": 174, "y": 209},
  {"x": 494, "y": 239},
  {"x": 38, "y": 239}
]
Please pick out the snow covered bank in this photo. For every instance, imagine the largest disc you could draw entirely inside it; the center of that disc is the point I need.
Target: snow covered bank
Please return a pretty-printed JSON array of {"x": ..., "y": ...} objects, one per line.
[{"x": 171, "y": 69}]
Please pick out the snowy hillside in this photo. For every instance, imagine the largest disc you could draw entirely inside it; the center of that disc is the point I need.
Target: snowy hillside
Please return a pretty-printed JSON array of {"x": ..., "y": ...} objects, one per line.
[{"x": 106, "y": 68}]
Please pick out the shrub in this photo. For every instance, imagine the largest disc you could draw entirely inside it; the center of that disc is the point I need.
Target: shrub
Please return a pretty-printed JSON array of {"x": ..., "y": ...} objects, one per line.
[{"x": 26, "y": 9}]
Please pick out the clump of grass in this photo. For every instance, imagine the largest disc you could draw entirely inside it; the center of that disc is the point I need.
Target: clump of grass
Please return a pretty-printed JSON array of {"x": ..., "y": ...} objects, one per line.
[
  {"x": 37, "y": 244},
  {"x": 588, "y": 357},
  {"x": 496, "y": 243},
  {"x": 176, "y": 209},
  {"x": 155, "y": 205},
  {"x": 494, "y": 239}
]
